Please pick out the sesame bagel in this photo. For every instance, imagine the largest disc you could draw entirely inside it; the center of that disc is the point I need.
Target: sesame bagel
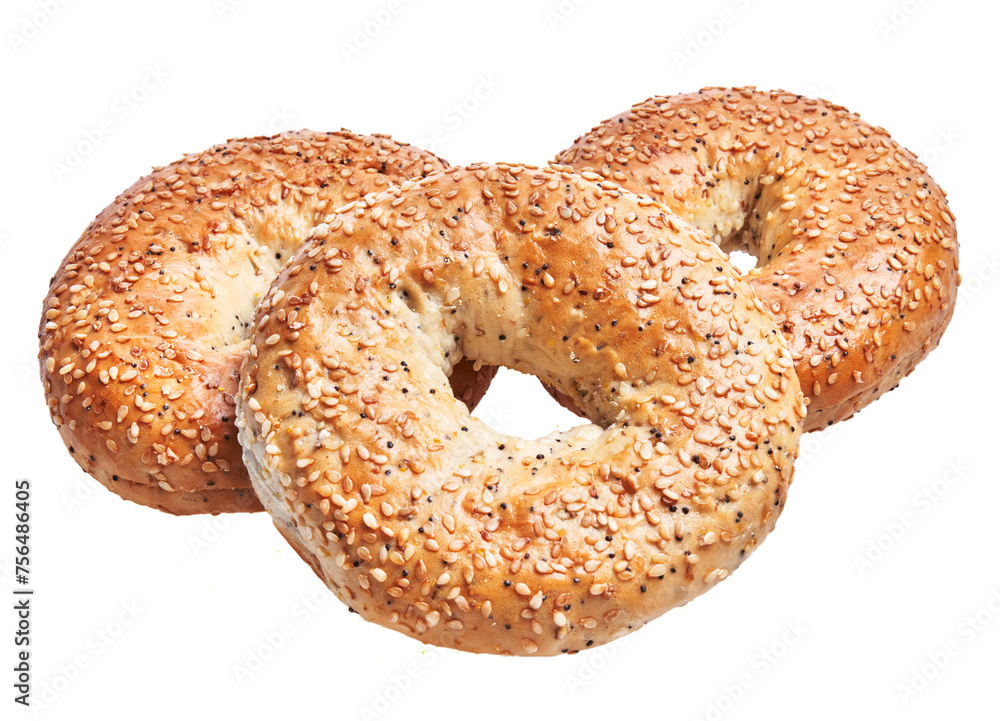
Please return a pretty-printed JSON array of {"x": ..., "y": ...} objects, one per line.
[
  {"x": 425, "y": 520},
  {"x": 145, "y": 323},
  {"x": 857, "y": 257}
]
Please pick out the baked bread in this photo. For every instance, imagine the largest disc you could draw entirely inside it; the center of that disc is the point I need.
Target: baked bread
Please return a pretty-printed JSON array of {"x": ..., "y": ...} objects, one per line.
[
  {"x": 425, "y": 520},
  {"x": 857, "y": 256},
  {"x": 146, "y": 320}
]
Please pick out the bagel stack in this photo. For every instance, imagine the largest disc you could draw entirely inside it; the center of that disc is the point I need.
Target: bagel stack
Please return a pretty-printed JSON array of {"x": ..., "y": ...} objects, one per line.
[{"x": 304, "y": 322}]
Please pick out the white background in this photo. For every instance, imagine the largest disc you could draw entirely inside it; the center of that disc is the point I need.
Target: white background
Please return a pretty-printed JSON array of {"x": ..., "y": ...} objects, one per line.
[{"x": 141, "y": 615}]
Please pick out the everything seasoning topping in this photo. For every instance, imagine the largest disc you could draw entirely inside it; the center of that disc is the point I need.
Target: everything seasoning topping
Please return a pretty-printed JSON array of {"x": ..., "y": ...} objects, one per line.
[
  {"x": 518, "y": 546},
  {"x": 825, "y": 201}
]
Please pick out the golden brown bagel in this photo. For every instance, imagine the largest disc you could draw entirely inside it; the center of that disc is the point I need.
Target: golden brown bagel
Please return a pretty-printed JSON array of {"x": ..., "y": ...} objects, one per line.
[
  {"x": 422, "y": 518},
  {"x": 145, "y": 323},
  {"x": 856, "y": 246}
]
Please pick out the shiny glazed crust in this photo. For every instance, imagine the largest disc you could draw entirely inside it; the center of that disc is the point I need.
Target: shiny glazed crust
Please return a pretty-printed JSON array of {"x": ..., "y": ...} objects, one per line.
[
  {"x": 422, "y": 518},
  {"x": 145, "y": 322},
  {"x": 856, "y": 246}
]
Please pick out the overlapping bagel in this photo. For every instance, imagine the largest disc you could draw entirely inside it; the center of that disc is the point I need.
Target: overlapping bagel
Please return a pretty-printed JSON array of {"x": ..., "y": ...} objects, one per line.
[
  {"x": 303, "y": 323},
  {"x": 145, "y": 323},
  {"x": 856, "y": 246},
  {"x": 422, "y": 518}
]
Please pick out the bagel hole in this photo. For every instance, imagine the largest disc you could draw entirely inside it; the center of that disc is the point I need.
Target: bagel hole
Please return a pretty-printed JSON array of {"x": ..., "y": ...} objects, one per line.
[
  {"x": 743, "y": 261},
  {"x": 516, "y": 404},
  {"x": 231, "y": 318}
]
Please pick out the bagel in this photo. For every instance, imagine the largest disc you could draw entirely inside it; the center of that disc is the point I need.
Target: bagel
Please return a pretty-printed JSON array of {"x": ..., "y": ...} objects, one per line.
[
  {"x": 857, "y": 252},
  {"x": 425, "y": 520},
  {"x": 144, "y": 326}
]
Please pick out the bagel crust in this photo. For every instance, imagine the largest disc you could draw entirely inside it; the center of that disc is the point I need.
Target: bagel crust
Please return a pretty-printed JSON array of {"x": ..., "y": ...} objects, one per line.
[
  {"x": 422, "y": 518},
  {"x": 857, "y": 256},
  {"x": 145, "y": 323}
]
